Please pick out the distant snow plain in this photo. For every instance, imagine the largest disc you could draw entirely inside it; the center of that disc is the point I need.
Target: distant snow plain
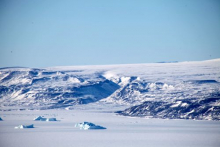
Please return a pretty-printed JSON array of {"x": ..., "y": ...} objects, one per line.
[{"x": 121, "y": 131}]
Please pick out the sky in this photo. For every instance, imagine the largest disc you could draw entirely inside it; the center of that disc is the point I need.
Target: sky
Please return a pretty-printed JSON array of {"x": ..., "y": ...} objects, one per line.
[{"x": 45, "y": 33}]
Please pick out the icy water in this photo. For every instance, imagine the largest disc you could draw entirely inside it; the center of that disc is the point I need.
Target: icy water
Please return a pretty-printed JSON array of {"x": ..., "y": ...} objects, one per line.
[{"x": 120, "y": 132}]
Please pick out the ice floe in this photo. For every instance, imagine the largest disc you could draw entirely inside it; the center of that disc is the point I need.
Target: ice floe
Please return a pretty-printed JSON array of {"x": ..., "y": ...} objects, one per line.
[
  {"x": 24, "y": 126},
  {"x": 88, "y": 126}
]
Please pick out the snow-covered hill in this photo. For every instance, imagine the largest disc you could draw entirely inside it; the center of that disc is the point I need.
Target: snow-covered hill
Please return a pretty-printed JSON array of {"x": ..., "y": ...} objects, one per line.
[
  {"x": 46, "y": 89},
  {"x": 207, "y": 108},
  {"x": 136, "y": 84}
]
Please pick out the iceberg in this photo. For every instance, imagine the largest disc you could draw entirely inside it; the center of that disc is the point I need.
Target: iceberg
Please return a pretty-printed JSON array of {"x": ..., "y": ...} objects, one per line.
[
  {"x": 1, "y": 119},
  {"x": 88, "y": 126},
  {"x": 41, "y": 118},
  {"x": 24, "y": 126},
  {"x": 51, "y": 119}
]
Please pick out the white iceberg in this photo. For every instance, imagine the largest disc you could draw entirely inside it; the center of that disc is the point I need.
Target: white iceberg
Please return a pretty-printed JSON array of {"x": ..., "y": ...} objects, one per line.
[
  {"x": 41, "y": 118},
  {"x": 1, "y": 119},
  {"x": 24, "y": 126},
  {"x": 88, "y": 126}
]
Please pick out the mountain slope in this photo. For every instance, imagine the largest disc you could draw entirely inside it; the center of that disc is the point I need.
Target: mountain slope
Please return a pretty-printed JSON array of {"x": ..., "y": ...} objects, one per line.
[
  {"x": 49, "y": 89},
  {"x": 208, "y": 109},
  {"x": 138, "y": 84}
]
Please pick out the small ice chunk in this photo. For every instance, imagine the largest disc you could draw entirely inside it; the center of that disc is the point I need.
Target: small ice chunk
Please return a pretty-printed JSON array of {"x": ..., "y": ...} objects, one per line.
[
  {"x": 51, "y": 119},
  {"x": 88, "y": 126},
  {"x": 24, "y": 126},
  {"x": 40, "y": 118},
  {"x": 1, "y": 119}
]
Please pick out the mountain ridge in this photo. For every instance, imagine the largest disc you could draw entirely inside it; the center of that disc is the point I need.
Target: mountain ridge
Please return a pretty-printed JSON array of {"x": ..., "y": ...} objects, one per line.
[{"x": 129, "y": 85}]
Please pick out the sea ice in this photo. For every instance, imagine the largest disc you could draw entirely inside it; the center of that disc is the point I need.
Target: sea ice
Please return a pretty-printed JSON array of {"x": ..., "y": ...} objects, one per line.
[
  {"x": 120, "y": 132},
  {"x": 24, "y": 126},
  {"x": 88, "y": 126}
]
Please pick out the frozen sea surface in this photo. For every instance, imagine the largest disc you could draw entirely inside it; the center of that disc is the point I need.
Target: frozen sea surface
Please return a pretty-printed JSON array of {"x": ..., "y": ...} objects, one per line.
[{"x": 121, "y": 131}]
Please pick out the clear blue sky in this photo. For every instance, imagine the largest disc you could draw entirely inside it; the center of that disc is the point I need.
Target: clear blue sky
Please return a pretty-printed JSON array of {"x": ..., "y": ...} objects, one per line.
[{"x": 43, "y": 33}]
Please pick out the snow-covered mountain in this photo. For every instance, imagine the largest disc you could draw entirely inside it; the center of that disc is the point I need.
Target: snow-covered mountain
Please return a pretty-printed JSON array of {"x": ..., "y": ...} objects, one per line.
[
  {"x": 46, "y": 89},
  {"x": 206, "y": 108},
  {"x": 150, "y": 86}
]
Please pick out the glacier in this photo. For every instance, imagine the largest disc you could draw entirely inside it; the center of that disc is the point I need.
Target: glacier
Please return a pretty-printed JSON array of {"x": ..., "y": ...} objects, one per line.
[{"x": 181, "y": 90}]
